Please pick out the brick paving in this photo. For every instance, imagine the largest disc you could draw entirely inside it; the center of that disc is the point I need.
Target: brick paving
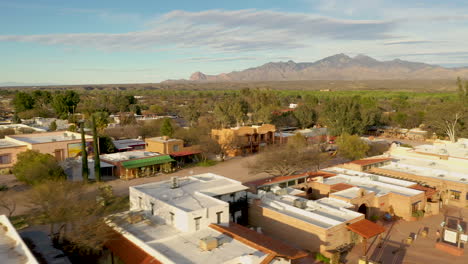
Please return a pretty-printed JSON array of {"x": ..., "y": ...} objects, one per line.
[{"x": 394, "y": 250}]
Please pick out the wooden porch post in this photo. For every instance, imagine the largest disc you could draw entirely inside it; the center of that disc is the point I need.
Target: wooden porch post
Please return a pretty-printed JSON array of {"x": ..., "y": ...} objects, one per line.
[{"x": 364, "y": 248}]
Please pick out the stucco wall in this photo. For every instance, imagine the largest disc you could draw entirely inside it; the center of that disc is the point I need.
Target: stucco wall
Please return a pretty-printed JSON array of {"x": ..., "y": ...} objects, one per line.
[{"x": 13, "y": 151}]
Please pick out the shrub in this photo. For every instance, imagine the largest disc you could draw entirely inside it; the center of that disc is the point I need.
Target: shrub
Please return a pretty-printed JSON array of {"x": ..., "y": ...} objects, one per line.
[
  {"x": 321, "y": 258},
  {"x": 3, "y": 187},
  {"x": 33, "y": 167},
  {"x": 207, "y": 163},
  {"x": 418, "y": 214}
]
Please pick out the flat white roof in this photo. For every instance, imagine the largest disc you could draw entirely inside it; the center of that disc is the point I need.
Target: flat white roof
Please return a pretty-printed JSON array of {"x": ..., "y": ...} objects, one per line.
[
  {"x": 129, "y": 155},
  {"x": 17, "y": 126},
  {"x": 8, "y": 144},
  {"x": 429, "y": 168},
  {"x": 12, "y": 247},
  {"x": 194, "y": 192},
  {"x": 183, "y": 247},
  {"x": 390, "y": 180},
  {"x": 324, "y": 213},
  {"x": 458, "y": 149},
  {"x": 161, "y": 139},
  {"x": 380, "y": 185},
  {"x": 48, "y": 137}
]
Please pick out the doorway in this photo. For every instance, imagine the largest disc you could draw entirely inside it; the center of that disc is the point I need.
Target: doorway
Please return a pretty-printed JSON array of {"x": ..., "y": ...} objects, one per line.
[{"x": 363, "y": 210}]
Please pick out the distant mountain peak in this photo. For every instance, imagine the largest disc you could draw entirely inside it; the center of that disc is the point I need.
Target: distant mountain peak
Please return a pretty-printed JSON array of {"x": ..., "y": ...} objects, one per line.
[{"x": 337, "y": 67}]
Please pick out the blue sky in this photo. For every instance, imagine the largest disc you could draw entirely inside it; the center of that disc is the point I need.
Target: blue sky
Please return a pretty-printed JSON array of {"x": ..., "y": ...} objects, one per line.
[{"x": 86, "y": 42}]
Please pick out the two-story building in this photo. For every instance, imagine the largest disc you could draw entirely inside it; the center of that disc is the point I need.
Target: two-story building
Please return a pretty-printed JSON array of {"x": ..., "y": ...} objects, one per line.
[{"x": 242, "y": 140}]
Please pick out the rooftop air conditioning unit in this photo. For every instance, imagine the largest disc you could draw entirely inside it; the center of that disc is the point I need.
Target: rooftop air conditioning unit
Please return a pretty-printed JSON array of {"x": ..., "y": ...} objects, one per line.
[
  {"x": 208, "y": 243},
  {"x": 174, "y": 182},
  {"x": 300, "y": 203}
]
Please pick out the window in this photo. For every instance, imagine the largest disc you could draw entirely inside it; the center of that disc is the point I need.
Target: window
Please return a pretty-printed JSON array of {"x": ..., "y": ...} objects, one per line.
[
  {"x": 455, "y": 195},
  {"x": 282, "y": 185},
  {"x": 152, "y": 208},
  {"x": 197, "y": 223},
  {"x": 291, "y": 183},
  {"x": 175, "y": 148},
  {"x": 218, "y": 217},
  {"x": 5, "y": 159},
  {"x": 139, "y": 202},
  {"x": 301, "y": 180},
  {"x": 172, "y": 217}
]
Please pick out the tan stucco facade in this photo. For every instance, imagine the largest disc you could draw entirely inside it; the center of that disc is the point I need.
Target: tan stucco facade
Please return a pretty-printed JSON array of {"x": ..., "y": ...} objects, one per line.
[
  {"x": 402, "y": 205},
  {"x": 10, "y": 154},
  {"x": 244, "y": 139},
  {"x": 166, "y": 145},
  {"x": 298, "y": 232},
  {"x": 60, "y": 149}
]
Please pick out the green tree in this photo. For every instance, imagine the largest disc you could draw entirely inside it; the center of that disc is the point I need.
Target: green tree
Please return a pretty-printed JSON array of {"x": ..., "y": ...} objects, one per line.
[
  {"x": 97, "y": 159},
  {"x": 84, "y": 155},
  {"x": 41, "y": 98},
  {"x": 65, "y": 103},
  {"x": 343, "y": 115},
  {"x": 351, "y": 146},
  {"x": 53, "y": 126},
  {"x": 106, "y": 145},
  {"x": 33, "y": 167},
  {"x": 22, "y": 102},
  {"x": 306, "y": 115},
  {"x": 166, "y": 128}
]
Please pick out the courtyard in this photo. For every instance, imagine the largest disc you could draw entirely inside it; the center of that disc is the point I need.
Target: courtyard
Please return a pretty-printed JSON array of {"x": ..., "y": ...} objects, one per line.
[{"x": 395, "y": 250}]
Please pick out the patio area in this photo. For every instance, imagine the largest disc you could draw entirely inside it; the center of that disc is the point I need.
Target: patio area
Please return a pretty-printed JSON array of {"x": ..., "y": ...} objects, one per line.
[{"x": 394, "y": 248}]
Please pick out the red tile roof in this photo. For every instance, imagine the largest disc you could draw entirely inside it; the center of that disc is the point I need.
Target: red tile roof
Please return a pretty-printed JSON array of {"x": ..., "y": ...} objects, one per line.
[
  {"x": 428, "y": 191},
  {"x": 364, "y": 162},
  {"x": 277, "y": 179},
  {"x": 259, "y": 241},
  {"x": 341, "y": 186},
  {"x": 128, "y": 252},
  {"x": 366, "y": 228},
  {"x": 184, "y": 153}
]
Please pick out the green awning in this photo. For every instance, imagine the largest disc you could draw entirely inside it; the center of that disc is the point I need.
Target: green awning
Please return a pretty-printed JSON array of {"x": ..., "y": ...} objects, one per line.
[{"x": 131, "y": 164}]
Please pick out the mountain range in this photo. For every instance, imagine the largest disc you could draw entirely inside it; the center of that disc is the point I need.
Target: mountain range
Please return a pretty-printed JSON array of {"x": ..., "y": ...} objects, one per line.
[{"x": 336, "y": 67}]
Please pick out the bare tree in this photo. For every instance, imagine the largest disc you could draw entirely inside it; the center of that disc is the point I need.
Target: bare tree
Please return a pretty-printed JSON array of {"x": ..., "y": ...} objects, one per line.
[
  {"x": 287, "y": 160},
  {"x": 7, "y": 203},
  {"x": 74, "y": 214}
]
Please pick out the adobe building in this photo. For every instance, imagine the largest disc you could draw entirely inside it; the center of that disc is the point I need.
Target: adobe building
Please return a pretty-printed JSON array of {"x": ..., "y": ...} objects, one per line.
[
  {"x": 326, "y": 225},
  {"x": 135, "y": 164},
  {"x": 175, "y": 148},
  {"x": 243, "y": 140},
  {"x": 373, "y": 195},
  {"x": 190, "y": 220},
  {"x": 442, "y": 166},
  {"x": 61, "y": 145}
]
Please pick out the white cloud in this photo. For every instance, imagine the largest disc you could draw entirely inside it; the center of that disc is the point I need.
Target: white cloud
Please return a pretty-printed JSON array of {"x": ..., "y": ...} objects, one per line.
[{"x": 223, "y": 31}]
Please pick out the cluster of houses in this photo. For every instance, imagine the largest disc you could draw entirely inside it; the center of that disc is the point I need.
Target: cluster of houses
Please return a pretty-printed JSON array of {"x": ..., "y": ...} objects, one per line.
[{"x": 209, "y": 218}]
